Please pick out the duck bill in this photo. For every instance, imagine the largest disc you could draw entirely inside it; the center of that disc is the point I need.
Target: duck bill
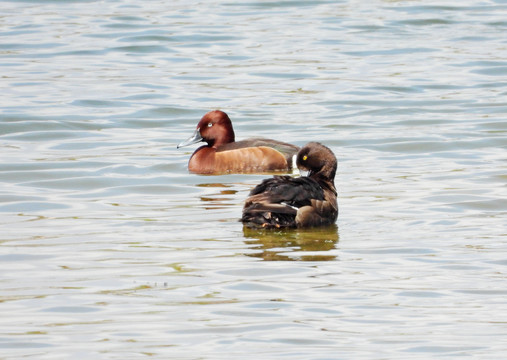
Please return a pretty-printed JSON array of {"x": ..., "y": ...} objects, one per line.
[
  {"x": 305, "y": 172},
  {"x": 195, "y": 138}
]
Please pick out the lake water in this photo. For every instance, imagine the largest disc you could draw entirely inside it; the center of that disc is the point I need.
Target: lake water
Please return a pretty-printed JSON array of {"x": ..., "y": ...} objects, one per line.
[{"x": 110, "y": 249}]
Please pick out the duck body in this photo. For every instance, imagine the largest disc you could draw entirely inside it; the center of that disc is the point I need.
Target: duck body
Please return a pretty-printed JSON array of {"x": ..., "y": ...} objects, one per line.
[
  {"x": 223, "y": 154},
  {"x": 287, "y": 202}
]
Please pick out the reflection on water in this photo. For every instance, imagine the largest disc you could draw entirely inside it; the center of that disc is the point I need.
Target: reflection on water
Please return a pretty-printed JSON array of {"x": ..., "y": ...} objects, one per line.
[
  {"x": 314, "y": 244},
  {"x": 213, "y": 185},
  {"x": 220, "y": 199}
]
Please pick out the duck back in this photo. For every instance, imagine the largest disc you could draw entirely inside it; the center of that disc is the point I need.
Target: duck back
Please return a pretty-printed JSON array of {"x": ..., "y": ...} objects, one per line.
[
  {"x": 287, "y": 150},
  {"x": 275, "y": 201}
]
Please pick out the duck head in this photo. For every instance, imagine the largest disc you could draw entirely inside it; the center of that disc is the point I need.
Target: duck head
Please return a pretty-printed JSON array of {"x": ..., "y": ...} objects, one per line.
[
  {"x": 317, "y": 160},
  {"x": 215, "y": 128}
]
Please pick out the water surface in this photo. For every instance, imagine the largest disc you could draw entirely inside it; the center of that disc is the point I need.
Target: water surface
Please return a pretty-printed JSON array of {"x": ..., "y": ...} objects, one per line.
[{"x": 110, "y": 249}]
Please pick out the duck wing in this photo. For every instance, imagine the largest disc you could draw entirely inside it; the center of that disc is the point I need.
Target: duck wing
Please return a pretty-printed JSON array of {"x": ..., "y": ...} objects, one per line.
[
  {"x": 275, "y": 201},
  {"x": 287, "y": 150},
  {"x": 296, "y": 192}
]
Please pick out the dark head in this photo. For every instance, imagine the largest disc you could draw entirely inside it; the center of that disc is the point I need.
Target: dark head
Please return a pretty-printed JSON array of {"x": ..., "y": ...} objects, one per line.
[
  {"x": 215, "y": 128},
  {"x": 318, "y": 160}
]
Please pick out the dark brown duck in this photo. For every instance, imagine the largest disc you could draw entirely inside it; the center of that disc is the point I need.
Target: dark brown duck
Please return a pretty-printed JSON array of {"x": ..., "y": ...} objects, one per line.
[{"x": 284, "y": 201}]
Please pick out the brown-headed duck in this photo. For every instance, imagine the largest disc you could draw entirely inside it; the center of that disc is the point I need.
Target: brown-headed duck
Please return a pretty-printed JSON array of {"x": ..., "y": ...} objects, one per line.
[
  {"x": 224, "y": 155},
  {"x": 284, "y": 201}
]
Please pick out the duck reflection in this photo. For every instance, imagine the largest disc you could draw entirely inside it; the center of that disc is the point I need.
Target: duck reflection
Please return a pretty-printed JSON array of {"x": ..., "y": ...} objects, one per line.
[
  {"x": 220, "y": 199},
  {"x": 314, "y": 244}
]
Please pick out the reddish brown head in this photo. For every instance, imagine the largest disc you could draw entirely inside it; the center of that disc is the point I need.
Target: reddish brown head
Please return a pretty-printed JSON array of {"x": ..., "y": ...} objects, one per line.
[{"x": 215, "y": 128}]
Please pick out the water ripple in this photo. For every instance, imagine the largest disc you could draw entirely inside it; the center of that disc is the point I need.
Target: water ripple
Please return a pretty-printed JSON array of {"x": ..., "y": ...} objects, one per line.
[{"x": 103, "y": 225}]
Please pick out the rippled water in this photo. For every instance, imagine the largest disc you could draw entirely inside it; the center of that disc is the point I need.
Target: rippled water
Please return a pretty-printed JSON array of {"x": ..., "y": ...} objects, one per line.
[{"x": 110, "y": 249}]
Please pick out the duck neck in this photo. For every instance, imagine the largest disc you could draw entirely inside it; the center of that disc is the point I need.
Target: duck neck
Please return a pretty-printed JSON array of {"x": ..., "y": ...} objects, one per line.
[
  {"x": 325, "y": 177},
  {"x": 325, "y": 182},
  {"x": 226, "y": 137}
]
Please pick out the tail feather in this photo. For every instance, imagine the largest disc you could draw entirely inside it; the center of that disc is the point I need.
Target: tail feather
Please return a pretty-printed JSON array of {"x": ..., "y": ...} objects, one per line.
[{"x": 269, "y": 215}]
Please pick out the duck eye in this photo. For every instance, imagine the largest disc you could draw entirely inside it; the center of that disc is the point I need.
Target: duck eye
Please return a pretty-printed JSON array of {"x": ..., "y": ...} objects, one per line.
[
  {"x": 210, "y": 124},
  {"x": 305, "y": 157}
]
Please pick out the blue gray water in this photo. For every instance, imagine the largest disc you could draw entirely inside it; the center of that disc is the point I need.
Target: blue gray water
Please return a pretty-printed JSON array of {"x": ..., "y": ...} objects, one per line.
[{"x": 109, "y": 248}]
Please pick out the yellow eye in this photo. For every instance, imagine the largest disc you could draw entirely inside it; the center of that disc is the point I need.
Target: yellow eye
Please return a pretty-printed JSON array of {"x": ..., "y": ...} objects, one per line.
[{"x": 305, "y": 157}]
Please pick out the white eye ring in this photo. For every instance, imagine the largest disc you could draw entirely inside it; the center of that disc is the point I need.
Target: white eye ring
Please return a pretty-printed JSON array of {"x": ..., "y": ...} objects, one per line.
[{"x": 210, "y": 124}]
